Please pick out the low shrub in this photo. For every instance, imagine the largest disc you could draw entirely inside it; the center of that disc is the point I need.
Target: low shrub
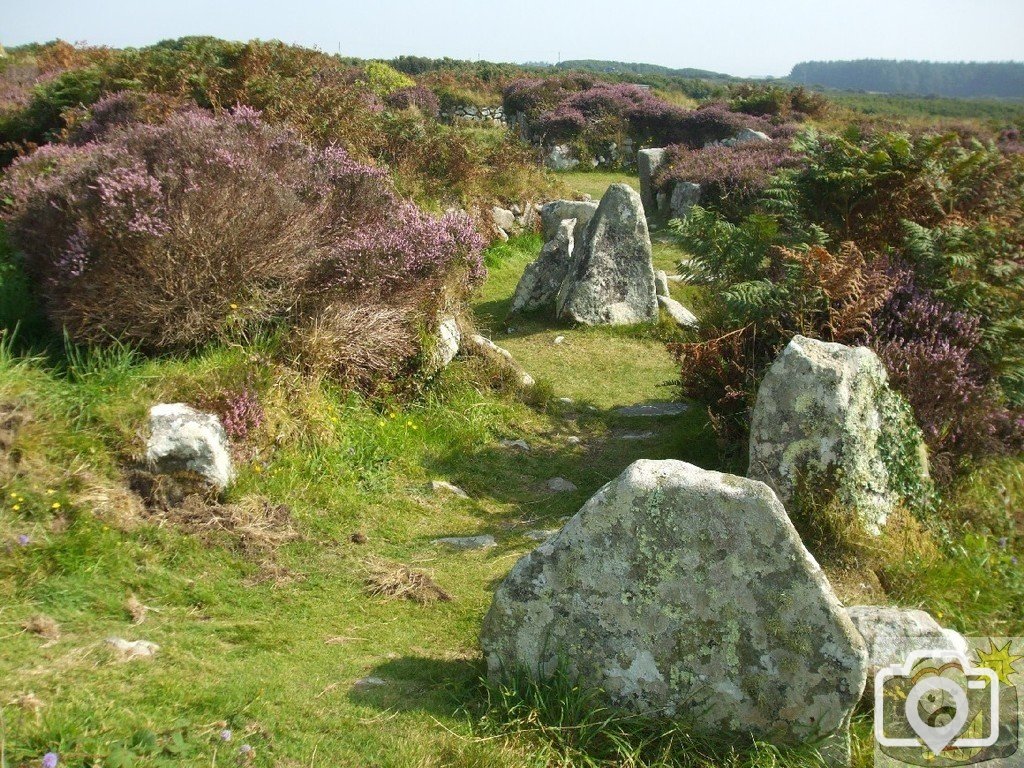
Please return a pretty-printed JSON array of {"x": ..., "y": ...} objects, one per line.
[
  {"x": 170, "y": 235},
  {"x": 415, "y": 97},
  {"x": 730, "y": 176}
]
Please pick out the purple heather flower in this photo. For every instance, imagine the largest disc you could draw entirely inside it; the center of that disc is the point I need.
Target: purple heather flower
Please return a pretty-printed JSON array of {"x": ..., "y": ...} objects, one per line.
[
  {"x": 225, "y": 735},
  {"x": 50, "y": 760},
  {"x": 24, "y": 540},
  {"x": 1003, "y": 542}
]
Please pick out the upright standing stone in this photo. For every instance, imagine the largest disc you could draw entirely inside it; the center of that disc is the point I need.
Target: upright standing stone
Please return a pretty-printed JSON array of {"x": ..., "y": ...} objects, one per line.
[
  {"x": 611, "y": 279},
  {"x": 825, "y": 418},
  {"x": 538, "y": 287},
  {"x": 647, "y": 162},
  {"x": 684, "y": 593},
  {"x": 685, "y": 195}
]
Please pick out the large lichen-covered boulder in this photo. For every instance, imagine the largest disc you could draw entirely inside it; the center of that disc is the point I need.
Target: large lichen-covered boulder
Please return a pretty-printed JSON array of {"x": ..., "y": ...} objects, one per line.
[
  {"x": 538, "y": 287},
  {"x": 685, "y": 195},
  {"x": 648, "y": 161},
  {"x": 554, "y": 213},
  {"x": 611, "y": 278},
  {"x": 183, "y": 439},
  {"x": 685, "y": 593},
  {"x": 825, "y": 419}
]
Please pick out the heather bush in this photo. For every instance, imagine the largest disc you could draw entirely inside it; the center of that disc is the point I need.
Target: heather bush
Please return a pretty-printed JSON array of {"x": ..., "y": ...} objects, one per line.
[
  {"x": 731, "y": 177},
  {"x": 172, "y": 234},
  {"x": 415, "y": 97}
]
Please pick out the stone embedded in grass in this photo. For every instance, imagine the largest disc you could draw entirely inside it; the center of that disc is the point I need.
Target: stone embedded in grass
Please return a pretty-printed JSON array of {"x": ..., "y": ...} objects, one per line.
[
  {"x": 539, "y": 284},
  {"x": 683, "y": 317},
  {"x": 891, "y": 634},
  {"x": 128, "y": 650},
  {"x": 369, "y": 682},
  {"x": 687, "y": 594},
  {"x": 653, "y": 409},
  {"x": 635, "y": 436},
  {"x": 487, "y": 349},
  {"x": 183, "y": 439},
  {"x": 519, "y": 445},
  {"x": 443, "y": 486},
  {"x": 825, "y": 418},
  {"x": 573, "y": 440},
  {"x": 561, "y": 485},
  {"x": 468, "y": 542},
  {"x": 611, "y": 278}
]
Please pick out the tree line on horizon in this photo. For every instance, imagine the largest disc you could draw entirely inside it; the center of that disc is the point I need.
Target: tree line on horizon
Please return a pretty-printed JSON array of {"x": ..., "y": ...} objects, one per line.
[{"x": 1002, "y": 79}]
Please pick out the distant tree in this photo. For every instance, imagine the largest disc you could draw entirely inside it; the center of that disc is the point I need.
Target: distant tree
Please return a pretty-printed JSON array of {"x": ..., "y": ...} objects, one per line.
[{"x": 1003, "y": 79}]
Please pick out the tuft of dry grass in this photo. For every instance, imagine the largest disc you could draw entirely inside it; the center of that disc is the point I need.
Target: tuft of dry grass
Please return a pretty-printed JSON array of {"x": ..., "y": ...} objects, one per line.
[
  {"x": 358, "y": 345},
  {"x": 400, "y": 582},
  {"x": 45, "y": 627},
  {"x": 135, "y": 609}
]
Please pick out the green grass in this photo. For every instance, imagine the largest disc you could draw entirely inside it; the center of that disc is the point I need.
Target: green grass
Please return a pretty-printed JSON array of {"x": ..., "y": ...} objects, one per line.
[
  {"x": 269, "y": 636},
  {"x": 595, "y": 183}
]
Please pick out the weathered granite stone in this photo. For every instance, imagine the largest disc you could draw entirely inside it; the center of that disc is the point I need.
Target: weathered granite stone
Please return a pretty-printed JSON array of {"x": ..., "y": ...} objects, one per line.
[
  {"x": 683, "y": 317},
  {"x": 561, "y": 485},
  {"x": 484, "y": 347},
  {"x": 825, "y": 414},
  {"x": 685, "y": 593},
  {"x": 891, "y": 634},
  {"x": 183, "y": 439},
  {"x": 443, "y": 486},
  {"x": 747, "y": 136},
  {"x": 560, "y": 158},
  {"x": 554, "y": 213},
  {"x": 661, "y": 283},
  {"x": 653, "y": 410},
  {"x": 504, "y": 219},
  {"x": 447, "y": 343},
  {"x": 647, "y": 162},
  {"x": 685, "y": 195},
  {"x": 468, "y": 542},
  {"x": 611, "y": 278},
  {"x": 538, "y": 287}
]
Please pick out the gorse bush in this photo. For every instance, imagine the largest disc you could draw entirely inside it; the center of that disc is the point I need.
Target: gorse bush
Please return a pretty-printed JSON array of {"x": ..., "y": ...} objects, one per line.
[{"x": 199, "y": 227}]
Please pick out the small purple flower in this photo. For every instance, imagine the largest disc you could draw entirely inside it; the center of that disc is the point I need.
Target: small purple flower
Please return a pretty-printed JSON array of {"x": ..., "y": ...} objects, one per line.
[
  {"x": 225, "y": 735},
  {"x": 1003, "y": 542},
  {"x": 1013, "y": 560},
  {"x": 50, "y": 760},
  {"x": 24, "y": 541}
]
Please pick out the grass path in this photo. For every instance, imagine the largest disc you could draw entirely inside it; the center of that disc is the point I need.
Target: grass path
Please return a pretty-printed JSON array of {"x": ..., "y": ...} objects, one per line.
[{"x": 271, "y": 638}]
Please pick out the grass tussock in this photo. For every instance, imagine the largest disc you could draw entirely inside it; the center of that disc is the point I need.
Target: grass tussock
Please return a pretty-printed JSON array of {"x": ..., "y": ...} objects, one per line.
[{"x": 396, "y": 581}]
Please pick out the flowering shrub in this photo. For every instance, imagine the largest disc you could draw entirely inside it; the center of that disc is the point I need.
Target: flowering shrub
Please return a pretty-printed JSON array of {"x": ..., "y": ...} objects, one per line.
[
  {"x": 734, "y": 174},
  {"x": 418, "y": 97},
  {"x": 175, "y": 233}
]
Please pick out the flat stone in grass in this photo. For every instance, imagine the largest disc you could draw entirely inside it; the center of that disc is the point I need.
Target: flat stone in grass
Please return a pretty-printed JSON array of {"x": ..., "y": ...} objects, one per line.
[
  {"x": 183, "y": 439},
  {"x": 686, "y": 594},
  {"x": 683, "y": 317},
  {"x": 443, "y": 486},
  {"x": 561, "y": 485},
  {"x": 467, "y": 542},
  {"x": 653, "y": 410}
]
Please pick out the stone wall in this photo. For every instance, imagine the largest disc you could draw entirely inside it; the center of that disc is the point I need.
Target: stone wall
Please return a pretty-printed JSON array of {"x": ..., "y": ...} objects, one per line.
[{"x": 470, "y": 113}]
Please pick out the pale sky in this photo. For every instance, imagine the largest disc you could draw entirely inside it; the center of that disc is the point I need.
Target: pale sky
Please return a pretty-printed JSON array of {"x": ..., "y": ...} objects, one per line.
[{"x": 738, "y": 37}]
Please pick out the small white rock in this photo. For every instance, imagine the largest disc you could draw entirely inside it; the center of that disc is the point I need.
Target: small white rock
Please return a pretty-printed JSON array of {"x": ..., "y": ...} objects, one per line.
[
  {"x": 468, "y": 542},
  {"x": 519, "y": 445},
  {"x": 573, "y": 440},
  {"x": 443, "y": 486},
  {"x": 559, "y": 339}
]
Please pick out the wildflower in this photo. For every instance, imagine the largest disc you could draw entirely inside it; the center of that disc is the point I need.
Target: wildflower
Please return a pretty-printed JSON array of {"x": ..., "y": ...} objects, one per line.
[
  {"x": 1003, "y": 542},
  {"x": 394, "y": 415},
  {"x": 257, "y": 468},
  {"x": 16, "y": 507},
  {"x": 246, "y": 753},
  {"x": 55, "y": 505},
  {"x": 50, "y": 491},
  {"x": 381, "y": 423},
  {"x": 50, "y": 760},
  {"x": 225, "y": 735},
  {"x": 234, "y": 306},
  {"x": 24, "y": 540}
]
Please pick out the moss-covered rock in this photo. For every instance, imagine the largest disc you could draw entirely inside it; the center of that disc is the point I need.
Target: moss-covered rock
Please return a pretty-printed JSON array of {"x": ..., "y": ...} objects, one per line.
[{"x": 826, "y": 418}]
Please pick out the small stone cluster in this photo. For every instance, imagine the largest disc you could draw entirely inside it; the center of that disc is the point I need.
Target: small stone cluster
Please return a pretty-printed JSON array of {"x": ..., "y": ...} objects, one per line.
[{"x": 470, "y": 113}]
